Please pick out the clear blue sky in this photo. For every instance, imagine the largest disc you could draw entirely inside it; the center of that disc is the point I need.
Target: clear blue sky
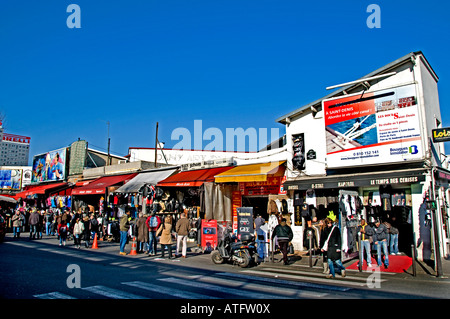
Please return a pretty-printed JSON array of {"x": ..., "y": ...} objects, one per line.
[{"x": 228, "y": 63}]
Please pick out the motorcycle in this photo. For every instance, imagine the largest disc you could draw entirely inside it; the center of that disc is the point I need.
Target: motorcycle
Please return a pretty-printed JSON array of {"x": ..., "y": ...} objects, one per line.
[{"x": 241, "y": 252}]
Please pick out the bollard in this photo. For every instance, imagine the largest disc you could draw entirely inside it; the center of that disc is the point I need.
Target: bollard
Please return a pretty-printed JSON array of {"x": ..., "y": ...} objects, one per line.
[
  {"x": 413, "y": 255},
  {"x": 310, "y": 247},
  {"x": 361, "y": 257}
]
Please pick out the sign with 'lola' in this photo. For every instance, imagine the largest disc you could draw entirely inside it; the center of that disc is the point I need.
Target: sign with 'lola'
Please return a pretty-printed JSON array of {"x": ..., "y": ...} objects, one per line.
[{"x": 441, "y": 135}]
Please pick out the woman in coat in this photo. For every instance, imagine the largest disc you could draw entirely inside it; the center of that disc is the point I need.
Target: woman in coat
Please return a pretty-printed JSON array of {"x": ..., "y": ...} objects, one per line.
[
  {"x": 78, "y": 230},
  {"x": 166, "y": 236},
  {"x": 142, "y": 232},
  {"x": 333, "y": 249}
]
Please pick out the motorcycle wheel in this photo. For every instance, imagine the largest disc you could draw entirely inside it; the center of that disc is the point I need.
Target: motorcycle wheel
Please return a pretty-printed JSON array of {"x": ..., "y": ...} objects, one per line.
[
  {"x": 216, "y": 257},
  {"x": 246, "y": 260}
]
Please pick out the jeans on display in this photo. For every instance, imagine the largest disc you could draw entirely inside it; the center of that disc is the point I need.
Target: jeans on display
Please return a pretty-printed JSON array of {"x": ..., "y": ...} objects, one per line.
[
  {"x": 152, "y": 242},
  {"x": 382, "y": 245},
  {"x": 365, "y": 246},
  {"x": 393, "y": 244},
  {"x": 123, "y": 240},
  {"x": 339, "y": 265}
]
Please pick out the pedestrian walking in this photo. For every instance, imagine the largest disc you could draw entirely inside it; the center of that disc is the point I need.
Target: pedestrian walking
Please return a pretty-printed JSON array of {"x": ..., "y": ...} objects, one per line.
[
  {"x": 142, "y": 232},
  {"x": 323, "y": 238},
  {"x": 366, "y": 233},
  {"x": 166, "y": 236},
  {"x": 93, "y": 223},
  {"x": 380, "y": 240},
  {"x": 87, "y": 231},
  {"x": 48, "y": 222},
  {"x": 153, "y": 223},
  {"x": 284, "y": 235},
  {"x": 182, "y": 229},
  {"x": 33, "y": 220},
  {"x": 124, "y": 228},
  {"x": 78, "y": 229},
  {"x": 16, "y": 224},
  {"x": 63, "y": 229},
  {"x": 332, "y": 245}
]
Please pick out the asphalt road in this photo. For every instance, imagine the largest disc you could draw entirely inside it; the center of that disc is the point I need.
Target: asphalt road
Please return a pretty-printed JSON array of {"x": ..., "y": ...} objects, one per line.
[{"x": 40, "y": 269}]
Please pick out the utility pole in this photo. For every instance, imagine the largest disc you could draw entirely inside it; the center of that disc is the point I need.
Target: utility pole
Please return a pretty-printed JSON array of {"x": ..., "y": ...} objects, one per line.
[
  {"x": 156, "y": 145},
  {"x": 109, "y": 145}
]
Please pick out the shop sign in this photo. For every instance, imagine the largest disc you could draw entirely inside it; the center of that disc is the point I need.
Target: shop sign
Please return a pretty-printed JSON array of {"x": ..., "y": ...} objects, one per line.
[
  {"x": 311, "y": 155},
  {"x": 443, "y": 175},
  {"x": 357, "y": 182},
  {"x": 245, "y": 221},
  {"x": 373, "y": 128},
  {"x": 270, "y": 186},
  {"x": 236, "y": 199},
  {"x": 441, "y": 135}
]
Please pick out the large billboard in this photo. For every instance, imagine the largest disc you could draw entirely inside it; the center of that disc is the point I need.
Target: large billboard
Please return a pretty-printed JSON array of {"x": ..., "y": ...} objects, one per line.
[
  {"x": 373, "y": 128},
  {"x": 49, "y": 166},
  {"x": 10, "y": 179}
]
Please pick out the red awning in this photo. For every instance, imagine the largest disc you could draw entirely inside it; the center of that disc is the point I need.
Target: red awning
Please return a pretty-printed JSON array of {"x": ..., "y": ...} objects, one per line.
[
  {"x": 39, "y": 189},
  {"x": 99, "y": 185},
  {"x": 193, "y": 178}
]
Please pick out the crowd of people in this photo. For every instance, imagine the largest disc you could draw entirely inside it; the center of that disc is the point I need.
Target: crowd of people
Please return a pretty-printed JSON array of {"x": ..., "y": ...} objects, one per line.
[{"x": 82, "y": 226}]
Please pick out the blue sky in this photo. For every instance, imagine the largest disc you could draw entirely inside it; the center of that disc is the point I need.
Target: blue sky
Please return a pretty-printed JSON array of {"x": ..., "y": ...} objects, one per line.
[{"x": 228, "y": 63}]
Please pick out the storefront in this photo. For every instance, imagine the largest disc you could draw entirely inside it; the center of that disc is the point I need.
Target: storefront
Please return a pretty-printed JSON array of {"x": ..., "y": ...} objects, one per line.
[
  {"x": 38, "y": 195},
  {"x": 381, "y": 195},
  {"x": 98, "y": 195}
]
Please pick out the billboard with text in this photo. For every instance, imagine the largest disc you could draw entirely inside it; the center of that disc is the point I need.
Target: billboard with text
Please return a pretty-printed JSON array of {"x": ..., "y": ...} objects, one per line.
[{"x": 373, "y": 128}]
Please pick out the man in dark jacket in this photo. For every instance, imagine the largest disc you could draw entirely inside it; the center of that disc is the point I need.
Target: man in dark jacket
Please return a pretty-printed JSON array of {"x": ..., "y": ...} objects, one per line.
[
  {"x": 284, "y": 235},
  {"x": 33, "y": 220},
  {"x": 380, "y": 237}
]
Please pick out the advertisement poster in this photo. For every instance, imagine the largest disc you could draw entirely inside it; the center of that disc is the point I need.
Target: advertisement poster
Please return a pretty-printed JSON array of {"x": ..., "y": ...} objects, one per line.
[
  {"x": 10, "y": 179},
  {"x": 50, "y": 166},
  {"x": 245, "y": 221},
  {"x": 373, "y": 128},
  {"x": 209, "y": 234}
]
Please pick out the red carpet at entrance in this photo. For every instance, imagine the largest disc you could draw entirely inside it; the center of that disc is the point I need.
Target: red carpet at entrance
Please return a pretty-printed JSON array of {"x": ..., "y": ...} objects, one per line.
[{"x": 397, "y": 264}]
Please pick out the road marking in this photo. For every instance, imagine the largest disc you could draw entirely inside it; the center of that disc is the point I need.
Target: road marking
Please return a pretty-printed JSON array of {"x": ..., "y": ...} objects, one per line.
[
  {"x": 311, "y": 274},
  {"x": 167, "y": 291},
  {"x": 307, "y": 278},
  {"x": 112, "y": 293},
  {"x": 285, "y": 282},
  {"x": 54, "y": 295},
  {"x": 239, "y": 292},
  {"x": 288, "y": 292}
]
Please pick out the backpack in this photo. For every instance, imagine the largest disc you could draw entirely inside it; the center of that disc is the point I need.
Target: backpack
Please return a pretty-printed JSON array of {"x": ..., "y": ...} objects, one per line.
[
  {"x": 63, "y": 229},
  {"x": 153, "y": 222}
]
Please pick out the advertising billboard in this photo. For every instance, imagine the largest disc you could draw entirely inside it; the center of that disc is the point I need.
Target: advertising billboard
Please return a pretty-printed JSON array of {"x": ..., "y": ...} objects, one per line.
[
  {"x": 10, "y": 179},
  {"x": 373, "y": 128},
  {"x": 50, "y": 166}
]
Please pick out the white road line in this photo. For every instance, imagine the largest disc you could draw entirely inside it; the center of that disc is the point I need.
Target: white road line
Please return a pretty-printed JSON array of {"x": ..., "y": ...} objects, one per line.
[
  {"x": 167, "y": 291},
  {"x": 112, "y": 293},
  {"x": 309, "y": 278},
  {"x": 288, "y": 292},
  {"x": 54, "y": 295},
  {"x": 284, "y": 282},
  {"x": 295, "y": 272},
  {"x": 238, "y": 292}
]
